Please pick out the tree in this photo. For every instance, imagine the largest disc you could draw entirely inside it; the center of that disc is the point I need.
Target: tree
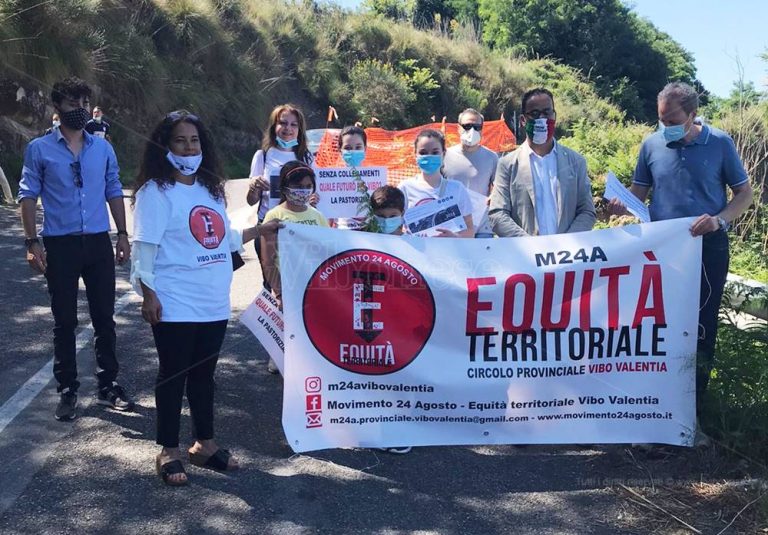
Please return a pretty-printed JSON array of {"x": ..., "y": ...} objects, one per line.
[{"x": 627, "y": 58}]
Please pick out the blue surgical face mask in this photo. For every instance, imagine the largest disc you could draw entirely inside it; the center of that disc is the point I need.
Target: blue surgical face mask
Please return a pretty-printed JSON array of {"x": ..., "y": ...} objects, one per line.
[
  {"x": 186, "y": 165},
  {"x": 353, "y": 158},
  {"x": 287, "y": 144},
  {"x": 429, "y": 163},
  {"x": 389, "y": 225},
  {"x": 673, "y": 133}
]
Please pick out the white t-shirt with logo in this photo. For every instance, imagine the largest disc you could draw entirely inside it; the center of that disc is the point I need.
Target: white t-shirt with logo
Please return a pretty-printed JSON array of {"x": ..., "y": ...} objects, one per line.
[
  {"x": 417, "y": 192},
  {"x": 193, "y": 267}
]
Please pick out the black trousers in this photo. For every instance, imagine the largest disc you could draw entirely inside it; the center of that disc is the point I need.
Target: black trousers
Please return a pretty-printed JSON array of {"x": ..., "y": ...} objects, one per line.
[
  {"x": 91, "y": 257},
  {"x": 188, "y": 353},
  {"x": 715, "y": 258}
]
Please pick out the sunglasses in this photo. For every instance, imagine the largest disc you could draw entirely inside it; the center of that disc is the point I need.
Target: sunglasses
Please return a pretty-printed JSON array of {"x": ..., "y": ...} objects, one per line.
[
  {"x": 467, "y": 126},
  {"x": 75, "y": 166},
  {"x": 176, "y": 115}
]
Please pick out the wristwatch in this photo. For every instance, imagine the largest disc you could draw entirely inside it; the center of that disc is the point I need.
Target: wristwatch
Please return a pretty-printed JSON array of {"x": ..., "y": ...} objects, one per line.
[
  {"x": 722, "y": 224},
  {"x": 28, "y": 242}
]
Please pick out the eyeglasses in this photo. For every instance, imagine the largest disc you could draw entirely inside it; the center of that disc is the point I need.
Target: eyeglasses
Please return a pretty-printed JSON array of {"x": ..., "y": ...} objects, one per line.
[
  {"x": 468, "y": 126},
  {"x": 176, "y": 115},
  {"x": 548, "y": 113},
  {"x": 75, "y": 166}
]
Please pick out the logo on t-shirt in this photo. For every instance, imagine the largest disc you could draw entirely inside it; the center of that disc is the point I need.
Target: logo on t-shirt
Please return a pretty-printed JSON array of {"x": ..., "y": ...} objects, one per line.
[
  {"x": 207, "y": 226},
  {"x": 368, "y": 312}
]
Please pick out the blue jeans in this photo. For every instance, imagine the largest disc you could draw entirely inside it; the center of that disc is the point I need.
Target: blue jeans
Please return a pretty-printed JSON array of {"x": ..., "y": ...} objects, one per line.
[{"x": 714, "y": 259}]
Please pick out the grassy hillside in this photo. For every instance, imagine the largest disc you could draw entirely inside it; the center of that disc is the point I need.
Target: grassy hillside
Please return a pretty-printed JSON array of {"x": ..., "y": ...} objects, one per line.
[{"x": 232, "y": 60}]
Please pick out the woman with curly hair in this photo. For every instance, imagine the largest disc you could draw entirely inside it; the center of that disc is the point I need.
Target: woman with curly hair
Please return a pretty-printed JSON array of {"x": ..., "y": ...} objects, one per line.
[{"x": 183, "y": 269}]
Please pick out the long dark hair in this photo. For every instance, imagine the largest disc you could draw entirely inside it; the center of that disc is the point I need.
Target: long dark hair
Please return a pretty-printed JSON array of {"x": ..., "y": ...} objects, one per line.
[
  {"x": 292, "y": 173},
  {"x": 270, "y": 136},
  {"x": 155, "y": 166}
]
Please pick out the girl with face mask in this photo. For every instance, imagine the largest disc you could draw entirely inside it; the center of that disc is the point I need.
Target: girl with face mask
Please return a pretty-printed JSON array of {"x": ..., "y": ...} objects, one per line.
[
  {"x": 297, "y": 184},
  {"x": 182, "y": 267},
  {"x": 429, "y": 184},
  {"x": 352, "y": 145}
]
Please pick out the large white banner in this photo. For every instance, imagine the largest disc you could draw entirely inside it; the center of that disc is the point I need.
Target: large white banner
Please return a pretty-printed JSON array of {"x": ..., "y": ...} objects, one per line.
[{"x": 406, "y": 341}]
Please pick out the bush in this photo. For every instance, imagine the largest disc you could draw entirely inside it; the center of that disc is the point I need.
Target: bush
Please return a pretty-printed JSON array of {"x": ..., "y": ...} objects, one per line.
[
  {"x": 736, "y": 409},
  {"x": 380, "y": 92},
  {"x": 607, "y": 147}
]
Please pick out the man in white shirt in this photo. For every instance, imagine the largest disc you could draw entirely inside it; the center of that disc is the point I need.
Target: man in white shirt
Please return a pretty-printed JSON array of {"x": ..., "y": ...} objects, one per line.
[
  {"x": 472, "y": 164},
  {"x": 541, "y": 187}
]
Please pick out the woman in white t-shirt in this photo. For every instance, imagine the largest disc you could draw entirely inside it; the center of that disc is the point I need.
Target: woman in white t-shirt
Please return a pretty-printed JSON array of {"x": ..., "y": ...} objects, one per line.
[
  {"x": 285, "y": 140},
  {"x": 430, "y": 184},
  {"x": 182, "y": 266}
]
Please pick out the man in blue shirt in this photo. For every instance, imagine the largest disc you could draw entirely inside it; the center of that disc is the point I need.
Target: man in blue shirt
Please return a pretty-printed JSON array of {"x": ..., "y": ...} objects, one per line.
[
  {"x": 688, "y": 166},
  {"x": 74, "y": 173}
]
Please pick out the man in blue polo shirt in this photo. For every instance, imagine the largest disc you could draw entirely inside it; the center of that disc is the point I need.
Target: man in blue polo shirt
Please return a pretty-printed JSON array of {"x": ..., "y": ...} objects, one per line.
[
  {"x": 688, "y": 167},
  {"x": 76, "y": 174}
]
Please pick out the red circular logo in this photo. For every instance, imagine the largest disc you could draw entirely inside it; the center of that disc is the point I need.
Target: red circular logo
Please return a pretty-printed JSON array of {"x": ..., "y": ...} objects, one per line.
[
  {"x": 368, "y": 312},
  {"x": 207, "y": 226}
]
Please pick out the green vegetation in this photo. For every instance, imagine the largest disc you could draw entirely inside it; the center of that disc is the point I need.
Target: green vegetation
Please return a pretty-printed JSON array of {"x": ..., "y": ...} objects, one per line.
[
  {"x": 231, "y": 61},
  {"x": 626, "y": 57},
  {"x": 736, "y": 410}
]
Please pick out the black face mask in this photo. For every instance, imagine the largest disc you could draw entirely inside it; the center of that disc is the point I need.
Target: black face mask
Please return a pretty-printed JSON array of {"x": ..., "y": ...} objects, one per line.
[{"x": 75, "y": 119}]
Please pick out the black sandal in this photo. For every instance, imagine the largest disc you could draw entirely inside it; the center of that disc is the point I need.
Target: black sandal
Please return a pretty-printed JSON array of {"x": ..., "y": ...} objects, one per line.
[
  {"x": 171, "y": 468},
  {"x": 218, "y": 461}
]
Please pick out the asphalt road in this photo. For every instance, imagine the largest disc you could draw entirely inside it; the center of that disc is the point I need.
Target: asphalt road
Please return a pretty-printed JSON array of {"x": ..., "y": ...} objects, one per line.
[{"x": 96, "y": 474}]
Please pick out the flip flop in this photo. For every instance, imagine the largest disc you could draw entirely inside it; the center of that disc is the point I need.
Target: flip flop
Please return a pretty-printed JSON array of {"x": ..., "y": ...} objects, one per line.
[
  {"x": 218, "y": 461},
  {"x": 171, "y": 468}
]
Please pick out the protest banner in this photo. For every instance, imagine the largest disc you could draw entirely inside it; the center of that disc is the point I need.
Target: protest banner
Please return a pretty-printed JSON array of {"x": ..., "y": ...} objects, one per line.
[
  {"x": 265, "y": 321},
  {"x": 340, "y": 195},
  {"x": 575, "y": 338}
]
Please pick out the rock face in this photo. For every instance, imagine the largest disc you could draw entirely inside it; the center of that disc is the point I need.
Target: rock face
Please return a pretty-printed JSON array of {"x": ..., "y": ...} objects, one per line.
[{"x": 22, "y": 110}]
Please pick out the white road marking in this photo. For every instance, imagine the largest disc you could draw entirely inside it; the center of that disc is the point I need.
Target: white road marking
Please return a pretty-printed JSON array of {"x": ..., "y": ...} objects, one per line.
[{"x": 35, "y": 384}]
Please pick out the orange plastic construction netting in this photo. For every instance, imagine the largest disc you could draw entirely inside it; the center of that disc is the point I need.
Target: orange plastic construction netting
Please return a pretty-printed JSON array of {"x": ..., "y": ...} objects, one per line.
[{"x": 394, "y": 150}]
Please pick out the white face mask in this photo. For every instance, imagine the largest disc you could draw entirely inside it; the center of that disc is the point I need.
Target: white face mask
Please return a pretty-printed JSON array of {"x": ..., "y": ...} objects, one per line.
[
  {"x": 470, "y": 137},
  {"x": 186, "y": 165}
]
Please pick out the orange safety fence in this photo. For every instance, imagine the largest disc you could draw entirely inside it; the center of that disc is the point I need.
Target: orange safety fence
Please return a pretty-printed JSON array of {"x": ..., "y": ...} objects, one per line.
[{"x": 394, "y": 149}]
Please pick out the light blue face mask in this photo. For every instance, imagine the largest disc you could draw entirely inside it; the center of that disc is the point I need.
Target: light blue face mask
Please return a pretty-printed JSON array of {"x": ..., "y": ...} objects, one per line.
[
  {"x": 389, "y": 225},
  {"x": 353, "y": 158},
  {"x": 287, "y": 144},
  {"x": 429, "y": 163},
  {"x": 673, "y": 133}
]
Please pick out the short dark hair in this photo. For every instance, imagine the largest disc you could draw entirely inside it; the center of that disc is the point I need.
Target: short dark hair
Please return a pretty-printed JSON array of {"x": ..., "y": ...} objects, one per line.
[
  {"x": 352, "y": 131},
  {"x": 387, "y": 197},
  {"x": 291, "y": 173},
  {"x": 72, "y": 87},
  {"x": 430, "y": 133},
  {"x": 684, "y": 94},
  {"x": 536, "y": 91}
]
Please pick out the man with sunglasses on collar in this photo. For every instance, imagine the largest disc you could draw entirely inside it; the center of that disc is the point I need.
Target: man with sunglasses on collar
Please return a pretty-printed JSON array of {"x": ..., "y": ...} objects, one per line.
[
  {"x": 74, "y": 173},
  {"x": 541, "y": 187},
  {"x": 470, "y": 163}
]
